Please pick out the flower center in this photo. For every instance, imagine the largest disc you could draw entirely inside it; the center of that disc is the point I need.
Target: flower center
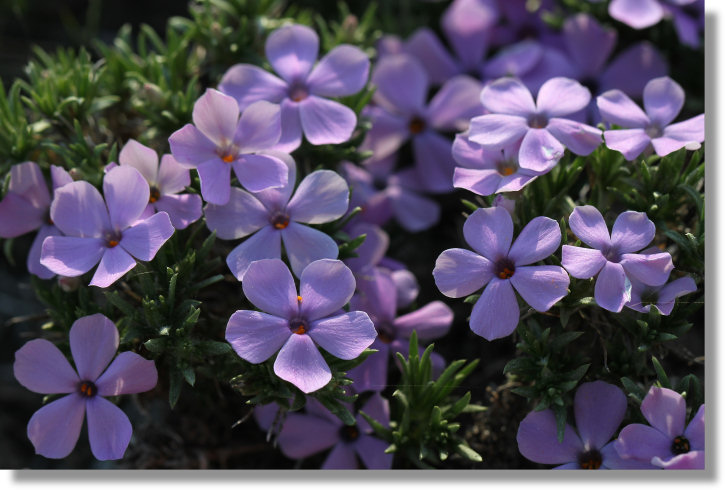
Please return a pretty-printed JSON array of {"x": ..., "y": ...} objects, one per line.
[
  {"x": 298, "y": 92},
  {"x": 349, "y": 433},
  {"x": 280, "y": 221},
  {"x": 155, "y": 194},
  {"x": 228, "y": 154},
  {"x": 507, "y": 167},
  {"x": 680, "y": 445},
  {"x": 87, "y": 389},
  {"x": 298, "y": 325},
  {"x": 538, "y": 121},
  {"x": 113, "y": 239},
  {"x": 416, "y": 125},
  {"x": 650, "y": 297},
  {"x": 612, "y": 255},
  {"x": 653, "y": 131},
  {"x": 504, "y": 268},
  {"x": 385, "y": 333},
  {"x": 590, "y": 460}
]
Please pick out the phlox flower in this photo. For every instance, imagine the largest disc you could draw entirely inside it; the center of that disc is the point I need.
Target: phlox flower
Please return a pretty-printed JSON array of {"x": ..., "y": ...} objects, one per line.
[
  {"x": 272, "y": 217},
  {"x": 663, "y": 100},
  {"x": 109, "y": 232},
  {"x": 165, "y": 182},
  {"x": 303, "y": 435},
  {"x": 640, "y": 14},
  {"x": 303, "y": 90},
  {"x": 501, "y": 267},
  {"x": 296, "y": 323},
  {"x": 599, "y": 408},
  {"x": 666, "y": 442},
  {"x": 41, "y": 367},
  {"x": 541, "y": 127},
  {"x": 26, "y": 207},
  {"x": 661, "y": 297},
  {"x": 614, "y": 258},
  {"x": 221, "y": 139}
]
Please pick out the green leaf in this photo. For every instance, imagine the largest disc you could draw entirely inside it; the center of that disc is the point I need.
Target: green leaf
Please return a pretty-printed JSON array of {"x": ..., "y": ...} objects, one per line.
[{"x": 661, "y": 375}]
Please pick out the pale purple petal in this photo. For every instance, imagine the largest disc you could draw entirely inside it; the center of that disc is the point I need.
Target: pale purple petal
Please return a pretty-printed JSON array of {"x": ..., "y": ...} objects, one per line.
[
  {"x": 692, "y": 129},
  {"x": 59, "y": 176},
  {"x": 344, "y": 336},
  {"x": 259, "y": 172},
  {"x": 377, "y": 295},
  {"x": 241, "y": 215},
  {"x": 665, "y": 410},
  {"x": 142, "y": 158},
  {"x": 215, "y": 177},
  {"x": 115, "y": 263},
  {"x": 276, "y": 198},
  {"x": 483, "y": 182},
  {"x": 651, "y": 269},
  {"x": 432, "y": 321},
  {"x": 183, "y": 209},
  {"x": 325, "y": 287},
  {"x": 250, "y": 83},
  {"x": 588, "y": 225},
  {"x": 300, "y": 363},
  {"x": 695, "y": 431},
  {"x": 637, "y": 14},
  {"x": 93, "y": 343},
  {"x": 468, "y": 25},
  {"x": 552, "y": 64},
  {"x": 109, "y": 430},
  {"x": 414, "y": 212},
  {"x": 256, "y": 336},
  {"x": 617, "y": 108},
  {"x": 26, "y": 179},
  {"x": 371, "y": 451},
  {"x": 144, "y": 239},
  {"x": 642, "y": 442},
  {"x": 388, "y": 133},
  {"x": 610, "y": 291},
  {"x": 33, "y": 261},
  {"x": 18, "y": 216},
  {"x": 434, "y": 163},
  {"x": 71, "y": 256},
  {"x": 55, "y": 427},
  {"x": 79, "y": 210},
  {"x": 325, "y": 121},
  {"x": 673, "y": 290},
  {"x": 291, "y": 137},
  {"x": 342, "y": 71},
  {"x": 305, "y": 435},
  {"x": 496, "y": 313},
  {"x": 428, "y": 49},
  {"x": 305, "y": 245},
  {"x": 128, "y": 373},
  {"x": 632, "y": 69},
  {"x": 259, "y": 127},
  {"x": 581, "y": 262},
  {"x": 561, "y": 96},
  {"x": 489, "y": 232},
  {"x": 629, "y": 142},
  {"x": 632, "y": 231},
  {"x": 538, "y": 442},
  {"x": 269, "y": 286},
  {"x": 540, "y": 238},
  {"x": 460, "y": 272},
  {"x": 694, "y": 460},
  {"x": 190, "y": 147},
  {"x": 455, "y": 104},
  {"x": 541, "y": 286},
  {"x": 216, "y": 114},
  {"x": 579, "y": 138},
  {"x": 265, "y": 244},
  {"x": 613, "y": 461},
  {"x": 127, "y": 195},
  {"x": 687, "y": 27},
  {"x": 173, "y": 177},
  {"x": 599, "y": 408},
  {"x": 515, "y": 60},
  {"x": 663, "y": 100},
  {"x": 372, "y": 249},
  {"x": 664, "y": 146},
  {"x": 540, "y": 151},
  {"x": 342, "y": 457},
  {"x": 588, "y": 43},
  {"x": 508, "y": 96},
  {"x": 41, "y": 367},
  {"x": 321, "y": 197},
  {"x": 402, "y": 84},
  {"x": 292, "y": 50},
  {"x": 372, "y": 374}
]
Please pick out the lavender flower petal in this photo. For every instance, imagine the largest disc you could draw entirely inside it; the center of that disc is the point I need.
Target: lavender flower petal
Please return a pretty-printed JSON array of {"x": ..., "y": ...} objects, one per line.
[
  {"x": 215, "y": 115},
  {"x": 651, "y": 269},
  {"x": 54, "y": 429},
  {"x": 344, "y": 336},
  {"x": 673, "y": 290},
  {"x": 637, "y": 14},
  {"x": 305, "y": 245},
  {"x": 537, "y": 439},
  {"x": 694, "y": 460},
  {"x": 342, "y": 71},
  {"x": 599, "y": 408},
  {"x": 215, "y": 177},
  {"x": 291, "y": 137},
  {"x": 183, "y": 209},
  {"x": 295, "y": 439},
  {"x": 581, "y": 262},
  {"x": 371, "y": 451},
  {"x": 402, "y": 84},
  {"x": 610, "y": 290},
  {"x": 342, "y": 457},
  {"x": 540, "y": 238},
  {"x": 172, "y": 176},
  {"x": 588, "y": 225},
  {"x": 489, "y": 232},
  {"x": 561, "y": 96},
  {"x": 665, "y": 410},
  {"x": 638, "y": 441},
  {"x": 496, "y": 313},
  {"x": 109, "y": 430},
  {"x": 455, "y": 104},
  {"x": 434, "y": 163},
  {"x": 432, "y": 321},
  {"x": 617, "y": 108},
  {"x": 632, "y": 231},
  {"x": 580, "y": 139},
  {"x": 18, "y": 216},
  {"x": 41, "y": 367},
  {"x": 300, "y": 363},
  {"x": 629, "y": 142},
  {"x": 242, "y": 215},
  {"x": 259, "y": 127},
  {"x": 326, "y": 121},
  {"x": 127, "y": 194},
  {"x": 128, "y": 373},
  {"x": 541, "y": 286},
  {"x": 414, "y": 212},
  {"x": 259, "y": 172},
  {"x": 144, "y": 239},
  {"x": 663, "y": 100},
  {"x": 256, "y": 336},
  {"x": 695, "y": 431},
  {"x": 432, "y": 55},
  {"x": 71, "y": 256},
  {"x": 325, "y": 287},
  {"x": 190, "y": 147},
  {"x": 459, "y": 272},
  {"x": 292, "y": 50},
  {"x": 93, "y": 343},
  {"x": 632, "y": 69},
  {"x": 140, "y": 157},
  {"x": 33, "y": 261},
  {"x": 269, "y": 286},
  {"x": 114, "y": 264},
  {"x": 468, "y": 25},
  {"x": 250, "y": 83},
  {"x": 540, "y": 151},
  {"x": 265, "y": 244},
  {"x": 79, "y": 210},
  {"x": 690, "y": 130},
  {"x": 321, "y": 197},
  {"x": 508, "y": 96},
  {"x": 581, "y": 33}
]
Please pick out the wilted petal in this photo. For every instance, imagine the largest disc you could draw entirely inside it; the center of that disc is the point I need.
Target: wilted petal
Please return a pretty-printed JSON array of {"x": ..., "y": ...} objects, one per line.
[
  {"x": 93, "y": 343},
  {"x": 109, "y": 430},
  {"x": 259, "y": 127},
  {"x": 541, "y": 286},
  {"x": 325, "y": 287},
  {"x": 265, "y": 244},
  {"x": 561, "y": 96},
  {"x": 537, "y": 440},
  {"x": 540, "y": 151},
  {"x": 115, "y": 263},
  {"x": 579, "y": 138},
  {"x": 128, "y": 373},
  {"x": 637, "y": 14},
  {"x": 305, "y": 245},
  {"x": 216, "y": 114},
  {"x": 292, "y": 50},
  {"x": 651, "y": 269},
  {"x": 599, "y": 408},
  {"x": 144, "y": 239},
  {"x": 496, "y": 313},
  {"x": 508, "y": 96},
  {"x": 71, "y": 256},
  {"x": 42, "y": 368},
  {"x": 617, "y": 108},
  {"x": 250, "y": 83},
  {"x": 342, "y": 71},
  {"x": 190, "y": 147},
  {"x": 256, "y": 336},
  {"x": 588, "y": 225},
  {"x": 259, "y": 172},
  {"x": 540, "y": 238},
  {"x": 581, "y": 262},
  {"x": 300, "y": 363},
  {"x": 140, "y": 157},
  {"x": 344, "y": 336},
  {"x": 54, "y": 429},
  {"x": 79, "y": 210},
  {"x": 460, "y": 272},
  {"x": 663, "y": 100},
  {"x": 610, "y": 291},
  {"x": 127, "y": 195},
  {"x": 269, "y": 286},
  {"x": 321, "y": 197},
  {"x": 629, "y": 142},
  {"x": 326, "y": 121},
  {"x": 489, "y": 232},
  {"x": 665, "y": 410}
]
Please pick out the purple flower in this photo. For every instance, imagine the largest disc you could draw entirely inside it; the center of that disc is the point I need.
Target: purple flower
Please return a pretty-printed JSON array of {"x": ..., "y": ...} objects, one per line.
[
  {"x": 26, "y": 208},
  {"x": 614, "y": 258},
  {"x": 165, "y": 182},
  {"x": 541, "y": 127},
  {"x": 487, "y": 172},
  {"x": 303, "y": 435},
  {"x": 501, "y": 267},
  {"x": 42, "y": 368},
  {"x": 663, "y": 100},
  {"x": 220, "y": 139},
  {"x": 667, "y": 443},
  {"x": 112, "y": 235},
  {"x": 296, "y": 324},
  {"x": 273, "y": 218},
  {"x": 640, "y": 14},
  {"x": 402, "y": 114},
  {"x": 303, "y": 90},
  {"x": 661, "y": 297},
  {"x": 599, "y": 408}
]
